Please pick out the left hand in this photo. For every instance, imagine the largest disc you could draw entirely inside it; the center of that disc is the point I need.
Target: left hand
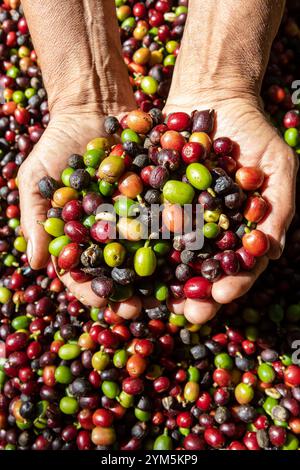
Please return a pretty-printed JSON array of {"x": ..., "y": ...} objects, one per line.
[{"x": 242, "y": 120}]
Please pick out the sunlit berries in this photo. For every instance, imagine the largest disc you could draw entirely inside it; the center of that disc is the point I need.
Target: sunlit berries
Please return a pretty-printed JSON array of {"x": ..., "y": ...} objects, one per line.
[
  {"x": 122, "y": 184},
  {"x": 249, "y": 178},
  {"x": 62, "y": 335}
]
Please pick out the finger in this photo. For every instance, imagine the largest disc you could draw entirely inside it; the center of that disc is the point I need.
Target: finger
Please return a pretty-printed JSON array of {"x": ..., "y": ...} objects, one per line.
[
  {"x": 176, "y": 305},
  {"x": 280, "y": 193},
  {"x": 128, "y": 309},
  {"x": 199, "y": 311},
  {"x": 83, "y": 291},
  {"x": 33, "y": 212},
  {"x": 229, "y": 288}
]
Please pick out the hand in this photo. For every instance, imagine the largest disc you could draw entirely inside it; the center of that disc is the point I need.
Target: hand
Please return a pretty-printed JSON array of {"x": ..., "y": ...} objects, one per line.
[
  {"x": 66, "y": 134},
  {"x": 85, "y": 77},
  {"x": 260, "y": 145}
]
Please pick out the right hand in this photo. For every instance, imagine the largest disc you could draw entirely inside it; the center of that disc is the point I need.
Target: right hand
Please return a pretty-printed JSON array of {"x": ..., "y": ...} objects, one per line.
[{"x": 66, "y": 134}]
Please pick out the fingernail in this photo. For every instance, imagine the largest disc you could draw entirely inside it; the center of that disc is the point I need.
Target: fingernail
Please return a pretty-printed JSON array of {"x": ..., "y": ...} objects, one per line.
[
  {"x": 29, "y": 251},
  {"x": 282, "y": 242}
]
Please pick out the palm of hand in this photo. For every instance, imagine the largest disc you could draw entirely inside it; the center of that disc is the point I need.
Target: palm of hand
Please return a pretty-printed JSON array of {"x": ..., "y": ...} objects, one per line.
[
  {"x": 259, "y": 145},
  {"x": 65, "y": 135}
]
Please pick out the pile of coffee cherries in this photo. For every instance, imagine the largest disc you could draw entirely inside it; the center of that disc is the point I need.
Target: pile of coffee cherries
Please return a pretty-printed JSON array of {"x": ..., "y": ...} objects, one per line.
[
  {"x": 94, "y": 380},
  {"x": 79, "y": 378},
  {"x": 175, "y": 162}
]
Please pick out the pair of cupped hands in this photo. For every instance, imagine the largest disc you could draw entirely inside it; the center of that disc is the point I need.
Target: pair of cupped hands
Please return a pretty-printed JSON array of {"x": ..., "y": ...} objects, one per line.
[{"x": 240, "y": 118}]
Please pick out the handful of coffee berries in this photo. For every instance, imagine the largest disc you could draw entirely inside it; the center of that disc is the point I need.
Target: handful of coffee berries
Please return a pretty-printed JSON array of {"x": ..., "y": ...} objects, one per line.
[{"x": 167, "y": 212}]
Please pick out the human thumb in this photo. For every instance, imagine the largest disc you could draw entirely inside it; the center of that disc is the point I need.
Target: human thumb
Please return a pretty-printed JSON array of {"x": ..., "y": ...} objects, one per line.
[{"x": 33, "y": 213}]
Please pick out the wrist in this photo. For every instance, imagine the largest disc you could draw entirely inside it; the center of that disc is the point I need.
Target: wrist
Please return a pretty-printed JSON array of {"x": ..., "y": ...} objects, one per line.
[
  {"x": 212, "y": 93},
  {"x": 89, "y": 94},
  {"x": 226, "y": 54},
  {"x": 216, "y": 74},
  {"x": 81, "y": 58}
]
